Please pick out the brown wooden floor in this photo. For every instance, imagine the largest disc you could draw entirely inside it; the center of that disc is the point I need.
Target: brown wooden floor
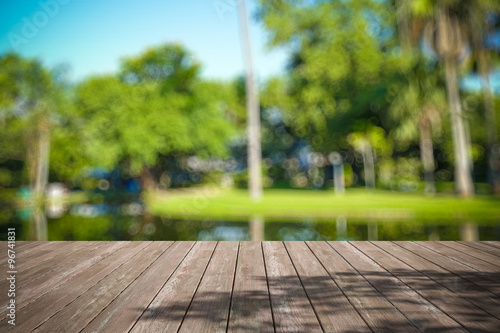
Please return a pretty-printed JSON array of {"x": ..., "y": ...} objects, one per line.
[{"x": 255, "y": 286}]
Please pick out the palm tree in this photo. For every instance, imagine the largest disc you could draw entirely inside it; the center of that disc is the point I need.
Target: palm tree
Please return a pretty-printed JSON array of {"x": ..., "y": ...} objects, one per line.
[
  {"x": 417, "y": 108},
  {"x": 445, "y": 33},
  {"x": 253, "y": 110},
  {"x": 418, "y": 103},
  {"x": 477, "y": 14}
]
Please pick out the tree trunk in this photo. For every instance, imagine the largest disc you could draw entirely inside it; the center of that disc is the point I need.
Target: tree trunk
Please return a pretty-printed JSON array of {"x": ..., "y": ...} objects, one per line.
[
  {"x": 469, "y": 232},
  {"x": 463, "y": 177},
  {"x": 427, "y": 153},
  {"x": 42, "y": 163},
  {"x": 257, "y": 228},
  {"x": 491, "y": 130},
  {"x": 39, "y": 230},
  {"x": 253, "y": 110},
  {"x": 148, "y": 182},
  {"x": 31, "y": 159},
  {"x": 369, "y": 166}
]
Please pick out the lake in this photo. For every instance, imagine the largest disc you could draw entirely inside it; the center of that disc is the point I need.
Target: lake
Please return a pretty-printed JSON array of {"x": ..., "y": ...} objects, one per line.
[{"x": 129, "y": 221}]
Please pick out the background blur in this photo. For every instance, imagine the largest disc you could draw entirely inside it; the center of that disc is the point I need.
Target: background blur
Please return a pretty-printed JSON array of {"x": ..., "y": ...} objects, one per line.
[{"x": 261, "y": 120}]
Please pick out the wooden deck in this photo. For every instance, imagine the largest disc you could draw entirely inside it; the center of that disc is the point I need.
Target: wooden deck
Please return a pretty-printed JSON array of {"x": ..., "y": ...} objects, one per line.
[{"x": 254, "y": 286}]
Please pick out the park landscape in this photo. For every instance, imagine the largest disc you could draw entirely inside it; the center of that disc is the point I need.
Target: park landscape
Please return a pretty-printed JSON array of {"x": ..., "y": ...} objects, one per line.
[
  {"x": 382, "y": 124},
  {"x": 250, "y": 166}
]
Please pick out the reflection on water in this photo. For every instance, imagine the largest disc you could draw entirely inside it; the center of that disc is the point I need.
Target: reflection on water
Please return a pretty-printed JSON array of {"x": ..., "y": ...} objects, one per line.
[
  {"x": 257, "y": 230},
  {"x": 130, "y": 221},
  {"x": 372, "y": 231},
  {"x": 341, "y": 228},
  {"x": 469, "y": 232},
  {"x": 38, "y": 228}
]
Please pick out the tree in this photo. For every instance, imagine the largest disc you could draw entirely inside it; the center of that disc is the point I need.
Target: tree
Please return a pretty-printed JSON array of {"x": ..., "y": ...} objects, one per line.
[
  {"x": 32, "y": 103},
  {"x": 253, "y": 110},
  {"x": 340, "y": 52},
  {"x": 479, "y": 15},
  {"x": 370, "y": 142},
  {"x": 417, "y": 104},
  {"x": 445, "y": 33},
  {"x": 129, "y": 123},
  {"x": 158, "y": 105}
]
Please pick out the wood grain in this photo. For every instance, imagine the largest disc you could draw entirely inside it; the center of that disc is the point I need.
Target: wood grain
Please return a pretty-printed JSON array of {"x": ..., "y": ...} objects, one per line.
[
  {"x": 78, "y": 314},
  {"x": 209, "y": 309},
  {"x": 473, "y": 252},
  {"x": 463, "y": 258},
  {"x": 409, "y": 268},
  {"x": 291, "y": 308},
  {"x": 124, "y": 311},
  {"x": 34, "y": 314},
  {"x": 374, "y": 308},
  {"x": 250, "y": 303},
  {"x": 144, "y": 286},
  {"x": 482, "y": 246},
  {"x": 411, "y": 304},
  {"x": 332, "y": 307},
  {"x": 168, "y": 308}
]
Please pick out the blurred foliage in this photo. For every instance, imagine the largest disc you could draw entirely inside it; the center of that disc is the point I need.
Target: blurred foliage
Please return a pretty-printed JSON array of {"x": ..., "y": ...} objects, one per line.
[
  {"x": 29, "y": 94},
  {"x": 156, "y": 108},
  {"x": 416, "y": 94},
  {"x": 358, "y": 73},
  {"x": 364, "y": 79},
  {"x": 339, "y": 53},
  {"x": 355, "y": 66}
]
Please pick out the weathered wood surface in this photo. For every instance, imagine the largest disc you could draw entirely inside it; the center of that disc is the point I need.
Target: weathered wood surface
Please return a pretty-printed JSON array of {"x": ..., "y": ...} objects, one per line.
[{"x": 254, "y": 287}]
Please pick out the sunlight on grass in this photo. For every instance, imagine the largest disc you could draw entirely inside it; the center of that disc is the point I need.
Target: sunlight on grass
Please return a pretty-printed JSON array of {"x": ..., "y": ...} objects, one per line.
[{"x": 293, "y": 205}]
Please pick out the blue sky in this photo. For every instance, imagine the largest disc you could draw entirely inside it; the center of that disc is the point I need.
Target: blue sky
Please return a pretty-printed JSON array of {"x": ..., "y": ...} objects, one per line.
[{"x": 92, "y": 35}]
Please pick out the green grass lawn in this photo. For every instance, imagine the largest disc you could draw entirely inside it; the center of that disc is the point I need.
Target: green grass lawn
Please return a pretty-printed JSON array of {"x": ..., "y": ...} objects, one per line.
[{"x": 298, "y": 205}]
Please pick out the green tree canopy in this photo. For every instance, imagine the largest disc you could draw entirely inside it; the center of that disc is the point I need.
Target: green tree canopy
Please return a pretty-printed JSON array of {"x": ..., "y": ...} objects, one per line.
[
  {"x": 341, "y": 51},
  {"x": 158, "y": 105}
]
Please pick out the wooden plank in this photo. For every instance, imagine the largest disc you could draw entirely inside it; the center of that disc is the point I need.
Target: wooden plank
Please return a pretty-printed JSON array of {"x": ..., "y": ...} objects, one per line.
[
  {"x": 61, "y": 261},
  {"x": 42, "y": 252},
  {"x": 292, "y": 311},
  {"x": 209, "y": 309},
  {"x": 336, "y": 286},
  {"x": 30, "y": 251},
  {"x": 483, "y": 247},
  {"x": 54, "y": 260},
  {"x": 33, "y": 314},
  {"x": 21, "y": 244},
  {"x": 57, "y": 261},
  {"x": 333, "y": 309},
  {"x": 22, "y": 251},
  {"x": 78, "y": 314},
  {"x": 31, "y": 246},
  {"x": 168, "y": 308},
  {"x": 479, "y": 254},
  {"x": 250, "y": 302},
  {"x": 3, "y": 248},
  {"x": 50, "y": 253},
  {"x": 79, "y": 263},
  {"x": 405, "y": 268},
  {"x": 32, "y": 269},
  {"x": 374, "y": 308},
  {"x": 469, "y": 279},
  {"x": 492, "y": 243},
  {"x": 124, "y": 311},
  {"x": 463, "y": 258},
  {"x": 413, "y": 306}
]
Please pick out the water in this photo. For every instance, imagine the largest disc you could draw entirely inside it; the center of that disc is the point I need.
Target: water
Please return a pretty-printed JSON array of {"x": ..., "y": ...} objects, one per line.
[{"x": 129, "y": 221}]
